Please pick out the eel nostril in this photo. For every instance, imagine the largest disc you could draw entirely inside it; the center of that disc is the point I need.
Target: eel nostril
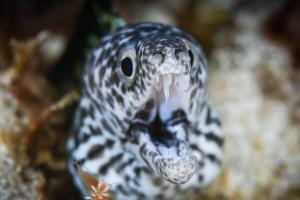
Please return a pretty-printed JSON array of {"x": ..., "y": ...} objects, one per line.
[
  {"x": 181, "y": 55},
  {"x": 157, "y": 58},
  {"x": 177, "y": 51}
]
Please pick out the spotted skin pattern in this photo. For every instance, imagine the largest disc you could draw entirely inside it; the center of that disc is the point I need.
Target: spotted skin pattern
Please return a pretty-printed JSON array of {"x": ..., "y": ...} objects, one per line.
[{"x": 142, "y": 145}]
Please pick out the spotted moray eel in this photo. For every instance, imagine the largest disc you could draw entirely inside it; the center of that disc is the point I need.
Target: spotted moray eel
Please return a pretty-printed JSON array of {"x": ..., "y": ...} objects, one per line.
[{"x": 144, "y": 124}]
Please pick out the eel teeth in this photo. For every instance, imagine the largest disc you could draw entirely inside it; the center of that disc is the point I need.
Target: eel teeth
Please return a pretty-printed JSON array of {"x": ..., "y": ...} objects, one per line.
[
  {"x": 157, "y": 85},
  {"x": 157, "y": 79},
  {"x": 167, "y": 82}
]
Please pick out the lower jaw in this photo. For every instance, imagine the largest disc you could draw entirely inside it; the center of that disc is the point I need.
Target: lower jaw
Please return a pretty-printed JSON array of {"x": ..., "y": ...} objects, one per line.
[{"x": 165, "y": 149}]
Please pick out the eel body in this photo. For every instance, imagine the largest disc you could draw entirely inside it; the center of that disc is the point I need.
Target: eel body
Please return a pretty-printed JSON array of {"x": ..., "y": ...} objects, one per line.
[{"x": 144, "y": 124}]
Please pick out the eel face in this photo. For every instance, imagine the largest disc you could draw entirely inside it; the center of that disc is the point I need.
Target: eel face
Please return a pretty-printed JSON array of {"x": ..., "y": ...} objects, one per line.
[{"x": 144, "y": 113}]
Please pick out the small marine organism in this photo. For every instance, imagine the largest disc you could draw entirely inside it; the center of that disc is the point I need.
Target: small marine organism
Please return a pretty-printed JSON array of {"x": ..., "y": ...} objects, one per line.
[{"x": 97, "y": 190}]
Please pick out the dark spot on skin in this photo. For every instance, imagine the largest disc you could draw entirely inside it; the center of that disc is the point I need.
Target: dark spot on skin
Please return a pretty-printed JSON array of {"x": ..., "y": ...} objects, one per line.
[
  {"x": 191, "y": 106},
  {"x": 113, "y": 160},
  {"x": 85, "y": 137},
  {"x": 119, "y": 122},
  {"x": 112, "y": 80},
  {"x": 102, "y": 71},
  {"x": 212, "y": 137},
  {"x": 128, "y": 113},
  {"x": 114, "y": 92},
  {"x": 110, "y": 101},
  {"x": 127, "y": 178},
  {"x": 191, "y": 57},
  {"x": 100, "y": 58},
  {"x": 82, "y": 113},
  {"x": 95, "y": 151},
  {"x": 142, "y": 88},
  {"x": 195, "y": 147},
  {"x": 80, "y": 162},
  {"x": 109, "y": 143},
  {"x": 125, "y": 164},
  {"x": 93, "y": 130},
  {"x": 200, "y": 178},
  {"x": 197, "y": 131},
  {"x": 136, "y": 182},
  {"x": 106, "y": 126},
  {"x": 122, "y": 190},
  {"x": 193, "y": 71},
  {"x": 143, "y": 115},
  {"x": 91, "y": 112},
  {"x": 192, "y": 80},
  {"x": 142, "y": 152},
  {"x": 133, "y": 106},
  {"x": 143, "y": 73},
  {"x": 120, "y": 100},
  {"x": 123, "y": 89},
  {"x": 213, "y": 158},
  {"x": 113, "y": 121},
  {"x": 99, "y": 95},
  {"x": 200, "y": 84},
  {"x": 199, "y": 71},
  {"x": 177, "y": 117},
  {"x": 91, "y": 82},
  {"x": 139, "y": 194},
  {"x": 193, "y": 94},
  {"x": 137, "y": 171},
  {"x": 178, "y": 113},
  {"x": 197, "y": 78},
  {"x": 201, "y": 164},
  {"x": 210, "y": 119},
  {"x": 149, "y": 105},
  {"x": 90, "y": 60},
  {"x": 133, "y": 132}
]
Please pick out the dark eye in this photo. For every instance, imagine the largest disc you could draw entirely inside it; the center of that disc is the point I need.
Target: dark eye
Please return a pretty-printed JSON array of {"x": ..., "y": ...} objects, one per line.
[
  {"x": 127, "y": 66},
  {"x": 191, "y": 57}
]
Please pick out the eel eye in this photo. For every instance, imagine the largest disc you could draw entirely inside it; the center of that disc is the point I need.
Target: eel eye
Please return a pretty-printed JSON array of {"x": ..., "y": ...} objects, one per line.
[
  {"x": 127, "y": 66},
  {"x": 191, "y": 57}
]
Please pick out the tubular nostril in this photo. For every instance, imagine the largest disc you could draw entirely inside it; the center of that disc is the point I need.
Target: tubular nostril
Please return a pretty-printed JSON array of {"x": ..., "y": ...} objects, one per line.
[
  {"x": 157, "y": 58},
  {"x": 177, "y": 51},
  {"x": 181, "y": 55}
]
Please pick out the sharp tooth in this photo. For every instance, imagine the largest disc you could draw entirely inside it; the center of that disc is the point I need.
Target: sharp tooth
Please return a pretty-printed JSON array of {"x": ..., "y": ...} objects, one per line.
[
  {"x": 157, "y": 84},
  {"x": 157, "y": 78},
  {"x": 170, "y": 78},
  {"x": 167, "y": 81}
]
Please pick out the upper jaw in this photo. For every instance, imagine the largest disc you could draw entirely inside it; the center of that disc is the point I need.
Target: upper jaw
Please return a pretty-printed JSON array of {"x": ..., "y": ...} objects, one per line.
[
  {"x": 168, "y": 73},
  {"x": 168, "y": 84}
]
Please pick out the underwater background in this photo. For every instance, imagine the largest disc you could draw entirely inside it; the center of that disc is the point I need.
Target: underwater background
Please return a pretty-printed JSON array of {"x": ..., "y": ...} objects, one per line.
[{"x": 253, "y": 51}]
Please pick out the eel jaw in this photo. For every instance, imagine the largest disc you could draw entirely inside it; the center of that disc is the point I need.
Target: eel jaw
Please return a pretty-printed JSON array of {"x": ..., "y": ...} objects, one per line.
[
  {"x": 161, "y": 140},
  {"x": 177, "y": 170},
  {"x": 169, "y": 157}
]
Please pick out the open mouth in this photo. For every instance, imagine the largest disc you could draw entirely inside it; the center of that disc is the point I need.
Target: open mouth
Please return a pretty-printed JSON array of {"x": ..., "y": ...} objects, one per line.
[{"x": 160, "y": 129}]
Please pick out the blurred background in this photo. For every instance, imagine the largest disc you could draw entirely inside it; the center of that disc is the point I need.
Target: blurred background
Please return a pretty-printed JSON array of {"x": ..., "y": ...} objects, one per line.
[{"x": 253, "y": 51}]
